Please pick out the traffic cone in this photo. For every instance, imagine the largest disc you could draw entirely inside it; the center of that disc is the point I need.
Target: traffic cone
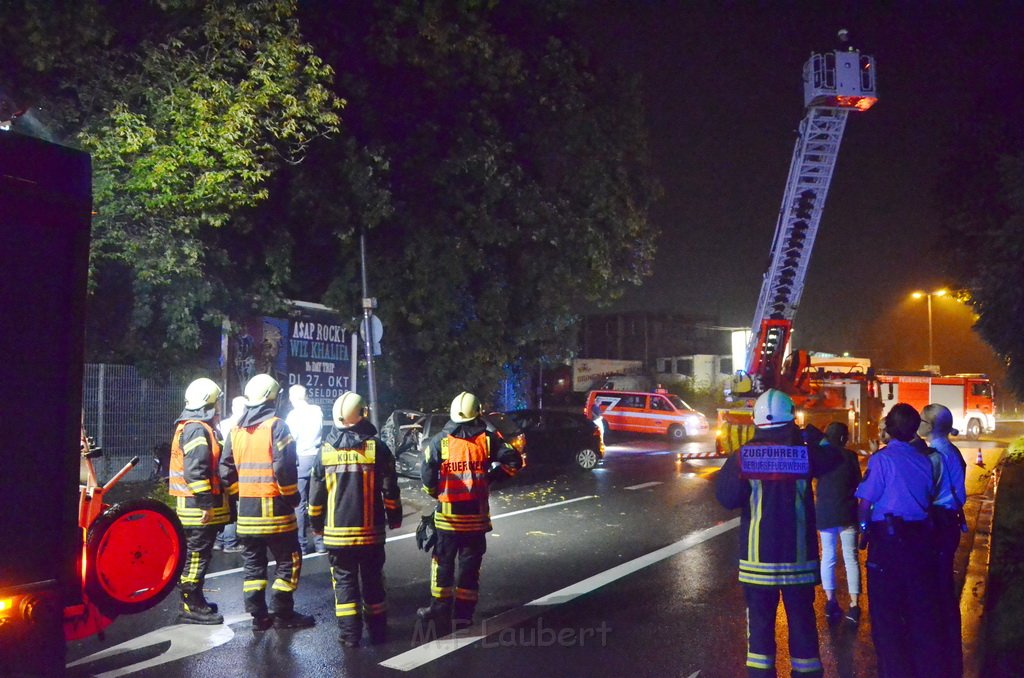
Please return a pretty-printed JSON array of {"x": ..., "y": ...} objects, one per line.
[{"x": 979, "y": 462}]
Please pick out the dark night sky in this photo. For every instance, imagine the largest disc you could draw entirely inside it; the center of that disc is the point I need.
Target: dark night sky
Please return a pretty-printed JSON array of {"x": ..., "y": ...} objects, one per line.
[{"x": 724, "y": 98}]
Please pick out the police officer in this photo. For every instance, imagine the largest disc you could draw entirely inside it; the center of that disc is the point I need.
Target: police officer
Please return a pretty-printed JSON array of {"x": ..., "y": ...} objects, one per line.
[
  {"x": 259, "y": 467},
  {"x": 460, "y": 464},
  {"x": 201, "y": 504},
  {"x": 894, "y": 500},
  {"x": 778, "y": 540},
  {"x": 948, "y": 518},
  {"x": 350, "y": 518}
]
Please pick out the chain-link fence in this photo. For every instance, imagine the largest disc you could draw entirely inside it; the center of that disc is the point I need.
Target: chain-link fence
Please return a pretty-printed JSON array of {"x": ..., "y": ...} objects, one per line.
[{"x": 129, "y": 415}]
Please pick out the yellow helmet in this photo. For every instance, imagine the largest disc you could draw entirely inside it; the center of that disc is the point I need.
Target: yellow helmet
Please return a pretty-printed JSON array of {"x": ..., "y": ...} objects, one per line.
[
  {"x": 260, "y": 389},
  {"x": 345, "y": 406},
  {"x": 465, "y": 408},
  {"x": 201, "y": 393}
]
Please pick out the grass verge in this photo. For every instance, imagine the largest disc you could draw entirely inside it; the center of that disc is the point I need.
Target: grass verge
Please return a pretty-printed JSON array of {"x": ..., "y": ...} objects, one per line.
[{"x": 1004, "y": 615}]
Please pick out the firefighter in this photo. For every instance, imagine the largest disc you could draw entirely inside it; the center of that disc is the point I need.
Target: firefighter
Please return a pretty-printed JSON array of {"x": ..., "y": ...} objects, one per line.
[
  {"x": 259, "y": 468},
  {"x": 460, "y": 464},
  {"x": 353, "y": 491},
  {"x": 778, "y": 538},
  {"x": 201, "y": 504}
]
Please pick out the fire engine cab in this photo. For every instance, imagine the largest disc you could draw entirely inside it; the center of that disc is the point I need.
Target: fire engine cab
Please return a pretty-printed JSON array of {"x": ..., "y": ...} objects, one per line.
[{"x": 968, "y": 396}]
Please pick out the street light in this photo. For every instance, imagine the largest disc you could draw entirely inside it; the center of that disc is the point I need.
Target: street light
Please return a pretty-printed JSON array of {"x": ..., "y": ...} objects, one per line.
[{"x": 929, "y": 295}]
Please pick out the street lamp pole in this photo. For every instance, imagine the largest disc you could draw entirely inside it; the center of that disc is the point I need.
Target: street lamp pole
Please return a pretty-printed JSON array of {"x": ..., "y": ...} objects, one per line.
[{"x": 928, "y": 296}]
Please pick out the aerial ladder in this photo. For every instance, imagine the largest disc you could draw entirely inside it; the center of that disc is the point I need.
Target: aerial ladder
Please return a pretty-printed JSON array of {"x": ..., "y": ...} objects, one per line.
[{"x": 835, "y": 83}]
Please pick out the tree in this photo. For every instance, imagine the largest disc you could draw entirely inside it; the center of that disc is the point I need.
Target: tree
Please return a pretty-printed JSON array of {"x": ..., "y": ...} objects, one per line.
[
  {"x": 188, "y": 110},
  {"x": 982, "y": 192},
  {"x": 518, "y": 178}
]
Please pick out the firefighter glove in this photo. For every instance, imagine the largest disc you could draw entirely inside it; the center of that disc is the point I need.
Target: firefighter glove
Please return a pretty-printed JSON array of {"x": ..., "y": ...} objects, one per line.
[{"x": 426, "y": 533}]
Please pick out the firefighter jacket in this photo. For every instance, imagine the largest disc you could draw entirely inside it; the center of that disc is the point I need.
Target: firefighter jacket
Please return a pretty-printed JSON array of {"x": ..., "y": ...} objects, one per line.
[
  {"x": 258, "y": 467},
  {"x": 460, "y": 463},
  {"x": 778, "y": 537},
  {"x": 353, "y": 488},
  {"x": 193, "y": 477}
]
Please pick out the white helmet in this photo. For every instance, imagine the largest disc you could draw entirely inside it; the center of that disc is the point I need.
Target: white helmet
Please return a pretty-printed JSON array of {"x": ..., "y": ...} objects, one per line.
[
  {"x": 260, "y": 389},
  {"x": 345, "y": 406},
  {"x": 773, "y": 409},
  {"x": 201, "y": 394},
  {"x": 465, "y": 408}
]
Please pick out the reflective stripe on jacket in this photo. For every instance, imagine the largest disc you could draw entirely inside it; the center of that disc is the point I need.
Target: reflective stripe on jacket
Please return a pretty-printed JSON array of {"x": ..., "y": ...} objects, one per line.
[{"x": 176, "y": 473}]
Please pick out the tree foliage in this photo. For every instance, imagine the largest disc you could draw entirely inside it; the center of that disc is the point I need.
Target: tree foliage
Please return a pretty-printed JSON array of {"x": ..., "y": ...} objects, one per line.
[
  {"x": 518, "y": 178},
  {"x": 188, "y": 109},
  {"x": 982, "y": 192}
]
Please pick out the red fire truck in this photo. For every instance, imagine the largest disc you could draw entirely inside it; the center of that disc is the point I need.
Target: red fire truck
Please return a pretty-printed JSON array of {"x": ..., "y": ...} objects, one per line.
[{"x": 968, "y": 396}]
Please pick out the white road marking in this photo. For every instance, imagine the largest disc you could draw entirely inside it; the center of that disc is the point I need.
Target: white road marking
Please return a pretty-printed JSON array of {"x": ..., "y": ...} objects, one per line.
[
  {"x": 409, "y": 535},
  {"x": 185, "y": 640},
  {"x": 643, "y": 485},
  {"x": 428, "y": 652}
]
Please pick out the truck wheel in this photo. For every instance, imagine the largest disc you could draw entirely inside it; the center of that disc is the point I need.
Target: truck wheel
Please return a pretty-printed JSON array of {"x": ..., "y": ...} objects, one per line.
[
  {"x": 586, "y": 459},
  {"x": 973, "y": 429},
  {"x": 135, "y": 552},
  {"x": 677, "y": 433}
]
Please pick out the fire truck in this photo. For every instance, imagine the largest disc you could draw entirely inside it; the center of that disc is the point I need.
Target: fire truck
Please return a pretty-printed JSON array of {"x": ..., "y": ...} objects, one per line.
[
  {"x": 968, "y": 396},
  {"x": 835, "y": 83},
  {"x": 70, "y": 562}
]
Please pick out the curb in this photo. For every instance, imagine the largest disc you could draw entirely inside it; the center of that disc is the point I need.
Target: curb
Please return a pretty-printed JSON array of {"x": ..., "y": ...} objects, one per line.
[{"x": 972, "y": 596}]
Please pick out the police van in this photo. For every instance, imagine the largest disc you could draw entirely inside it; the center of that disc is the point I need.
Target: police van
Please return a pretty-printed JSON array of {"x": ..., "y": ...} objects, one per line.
[{"x": 660, "y": 413}]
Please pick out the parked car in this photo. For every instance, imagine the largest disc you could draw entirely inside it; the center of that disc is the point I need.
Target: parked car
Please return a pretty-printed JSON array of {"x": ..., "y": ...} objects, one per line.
[
  {"x": 553, "y": 436},
  {"x": 661, "y": 413},
  {"x": 407, "y": 433}
]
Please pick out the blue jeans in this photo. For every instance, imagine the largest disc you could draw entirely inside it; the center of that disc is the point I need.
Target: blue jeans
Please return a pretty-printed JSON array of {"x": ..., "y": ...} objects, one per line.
[
  {"x": 227, "y": 538},
  {"x": 301, "y": 515}
]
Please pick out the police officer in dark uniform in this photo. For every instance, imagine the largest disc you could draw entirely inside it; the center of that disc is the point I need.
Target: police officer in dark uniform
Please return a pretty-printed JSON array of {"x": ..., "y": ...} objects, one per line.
[
  {"x": 894, "y": 500},
  {"x": 778, "y": 538}
]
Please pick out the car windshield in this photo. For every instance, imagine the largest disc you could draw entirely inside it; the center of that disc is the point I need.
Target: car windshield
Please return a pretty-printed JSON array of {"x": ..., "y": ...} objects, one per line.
[{"x": 678, "y": 402}]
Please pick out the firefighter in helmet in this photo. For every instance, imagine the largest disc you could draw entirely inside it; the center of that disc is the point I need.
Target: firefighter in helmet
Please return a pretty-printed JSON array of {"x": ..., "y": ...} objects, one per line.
[
  {"x": 460, "y": 464},
  {"x": 353, "y": 492},
  {"x": 259, "y": 468},
  {"x": 769, "y": 479},
  {"x": 200, "y": 500}
]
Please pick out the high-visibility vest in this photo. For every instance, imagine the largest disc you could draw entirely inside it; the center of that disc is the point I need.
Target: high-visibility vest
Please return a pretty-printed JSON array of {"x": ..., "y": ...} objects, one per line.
[
  {"x": 252, "y": 448},
  {"x": 176, "y": 476},
  {"x": 463, "y": 473}
]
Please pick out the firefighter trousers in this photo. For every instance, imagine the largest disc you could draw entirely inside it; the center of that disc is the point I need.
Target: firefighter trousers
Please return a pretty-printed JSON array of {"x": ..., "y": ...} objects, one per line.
[
  {"x": 198, "y": 553},
  {"x": 762, "y": 606},
  {"x": 358, "y": 574},
  {"x": 285, "y": 549},
  {"x": 455, "y": 572}
]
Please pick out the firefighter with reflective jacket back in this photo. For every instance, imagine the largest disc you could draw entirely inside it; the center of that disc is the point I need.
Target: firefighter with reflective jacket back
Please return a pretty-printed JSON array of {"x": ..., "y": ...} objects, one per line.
[
  {"x": 259, "y": 467},
  {"x": 769, "y": 478},
  {"x": 353, "y": 491},
  {"x": 460, "y": 464},
  {"x": 201, "y": 504}
]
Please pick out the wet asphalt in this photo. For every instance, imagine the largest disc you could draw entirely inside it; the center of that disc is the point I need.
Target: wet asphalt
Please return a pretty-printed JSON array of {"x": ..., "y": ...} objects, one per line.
[{"x": 638, "y": 554}]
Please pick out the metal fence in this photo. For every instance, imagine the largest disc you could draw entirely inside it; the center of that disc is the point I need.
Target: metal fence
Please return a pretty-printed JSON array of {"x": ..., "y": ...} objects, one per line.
[{"x": 128, "y": 415}]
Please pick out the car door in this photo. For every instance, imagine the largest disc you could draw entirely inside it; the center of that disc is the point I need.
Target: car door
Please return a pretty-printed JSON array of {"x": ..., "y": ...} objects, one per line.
[{"x": 560, "y": 432}]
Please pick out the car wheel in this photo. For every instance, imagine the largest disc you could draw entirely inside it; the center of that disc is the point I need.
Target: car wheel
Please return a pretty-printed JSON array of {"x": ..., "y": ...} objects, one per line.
[
  {"x": 973, "y": 429},
  {"x": 586, "y": 459},
  {"x": 677, "y": 433}
]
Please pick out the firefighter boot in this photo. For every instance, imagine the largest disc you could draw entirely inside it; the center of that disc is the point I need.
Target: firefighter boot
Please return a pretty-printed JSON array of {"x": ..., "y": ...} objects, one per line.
[
  {"x": 462, "y": 614},
  {"x": 195, "y": 609},
  {"x": 377, "y": 625},
  {"x": 438, "y": 615},
  {"x": 350, "y": 630},
  {"x": 293, "y": 620}
]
